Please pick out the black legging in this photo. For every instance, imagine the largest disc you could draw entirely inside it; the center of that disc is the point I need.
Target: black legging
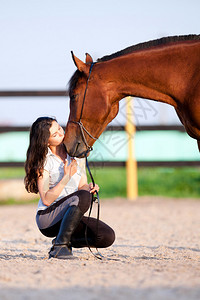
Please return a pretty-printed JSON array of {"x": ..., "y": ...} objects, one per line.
[{"x": 102, "y": 238}]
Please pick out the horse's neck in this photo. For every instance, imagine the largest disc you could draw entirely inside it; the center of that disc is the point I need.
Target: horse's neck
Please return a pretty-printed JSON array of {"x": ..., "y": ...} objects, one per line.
[{"x": 155, "y": 74}]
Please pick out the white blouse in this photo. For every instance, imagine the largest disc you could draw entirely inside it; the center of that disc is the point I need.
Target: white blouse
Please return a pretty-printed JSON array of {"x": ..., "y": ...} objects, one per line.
[{"x": 55, "y": 167}]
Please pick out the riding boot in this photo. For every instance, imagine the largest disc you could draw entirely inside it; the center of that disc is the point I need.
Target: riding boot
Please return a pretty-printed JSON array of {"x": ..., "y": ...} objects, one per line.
[
  {"x": 61, "y": 247},
  {"x": 81, "y": 242}
]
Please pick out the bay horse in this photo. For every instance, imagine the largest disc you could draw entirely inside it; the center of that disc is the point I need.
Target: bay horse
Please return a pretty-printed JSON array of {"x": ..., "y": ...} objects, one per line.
[{"x": 165, "y": 70}]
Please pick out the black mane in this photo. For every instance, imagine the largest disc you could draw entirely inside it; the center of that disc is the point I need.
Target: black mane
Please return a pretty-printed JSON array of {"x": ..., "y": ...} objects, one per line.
[
  {"x": 73, "y": 81},
  {"x": 153, "y": 43}
]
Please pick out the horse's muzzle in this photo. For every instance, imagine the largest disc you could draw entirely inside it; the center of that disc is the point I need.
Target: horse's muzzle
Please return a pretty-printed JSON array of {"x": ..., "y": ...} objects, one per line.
[
  {"x": 76, "y": 149},
  {"x": 75, "y": 141}
]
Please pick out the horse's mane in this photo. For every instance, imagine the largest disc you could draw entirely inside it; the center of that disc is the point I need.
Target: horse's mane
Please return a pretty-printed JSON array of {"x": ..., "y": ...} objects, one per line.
[
  {"x": 159, "y": 42},
  {"x": 153, "y": 43},
  {"x": 73, "y": 81}
]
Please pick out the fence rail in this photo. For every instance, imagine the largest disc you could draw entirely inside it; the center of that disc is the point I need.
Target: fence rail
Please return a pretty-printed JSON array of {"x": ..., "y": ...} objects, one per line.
[
  {"x": 108, "y": 128},
  {"x": 120, "y": 164},
  {"x": 34, "y": 93}
]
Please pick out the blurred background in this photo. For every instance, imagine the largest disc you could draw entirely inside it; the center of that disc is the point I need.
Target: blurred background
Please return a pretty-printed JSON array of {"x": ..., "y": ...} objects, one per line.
[{"x": 36, "y": 40}]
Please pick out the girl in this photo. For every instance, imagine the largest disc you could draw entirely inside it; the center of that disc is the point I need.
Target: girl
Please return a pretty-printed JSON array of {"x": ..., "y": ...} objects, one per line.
[{"x": 65, "y": 195}]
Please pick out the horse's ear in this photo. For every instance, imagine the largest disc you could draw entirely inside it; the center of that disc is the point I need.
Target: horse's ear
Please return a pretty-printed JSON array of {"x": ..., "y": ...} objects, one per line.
[
  {"x": 79, "y": 63},
  {"x": 88, "y": 59}
]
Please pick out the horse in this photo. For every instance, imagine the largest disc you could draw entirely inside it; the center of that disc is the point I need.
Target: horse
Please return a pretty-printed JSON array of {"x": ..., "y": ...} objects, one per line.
[{"x": 165, "y": 70}]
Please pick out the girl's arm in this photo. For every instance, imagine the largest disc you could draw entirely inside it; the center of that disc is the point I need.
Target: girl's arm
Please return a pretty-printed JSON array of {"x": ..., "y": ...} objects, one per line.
[
  {"x": 83, "y": 184},
  {"x": 47, "y": 195}
]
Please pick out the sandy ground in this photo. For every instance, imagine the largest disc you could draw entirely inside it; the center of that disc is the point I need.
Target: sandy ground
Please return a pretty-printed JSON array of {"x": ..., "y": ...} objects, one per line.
[{"x": 156, "y": 255}]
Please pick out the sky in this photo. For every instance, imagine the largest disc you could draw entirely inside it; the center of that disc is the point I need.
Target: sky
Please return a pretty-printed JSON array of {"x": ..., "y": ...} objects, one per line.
[{"x": 37, "y": 37}]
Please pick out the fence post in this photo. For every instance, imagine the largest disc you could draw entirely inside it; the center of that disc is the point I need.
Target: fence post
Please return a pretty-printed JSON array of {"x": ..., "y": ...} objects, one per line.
[{"x": 131, "y": 164}]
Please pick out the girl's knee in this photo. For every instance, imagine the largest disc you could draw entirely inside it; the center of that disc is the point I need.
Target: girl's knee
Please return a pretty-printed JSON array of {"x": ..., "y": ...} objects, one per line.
[
  {"x": 85, "y": 198},
  {"x": 106, "y": 239},
  {"x": 110, "y": 238}
]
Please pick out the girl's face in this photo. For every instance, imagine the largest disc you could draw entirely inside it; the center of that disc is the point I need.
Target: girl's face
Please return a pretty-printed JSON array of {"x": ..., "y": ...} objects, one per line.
[{"x": 56, "y": 134}]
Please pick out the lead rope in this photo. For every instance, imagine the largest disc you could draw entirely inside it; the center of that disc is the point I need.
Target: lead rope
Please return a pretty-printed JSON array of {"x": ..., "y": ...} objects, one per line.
[
  {"x": 94, "y": 199},
  {"x": 98, "y": 254}
]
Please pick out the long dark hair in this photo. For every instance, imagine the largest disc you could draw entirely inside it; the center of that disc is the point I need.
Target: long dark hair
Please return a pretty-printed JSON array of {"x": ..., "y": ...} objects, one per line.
[{"x": 37, "y": 151}]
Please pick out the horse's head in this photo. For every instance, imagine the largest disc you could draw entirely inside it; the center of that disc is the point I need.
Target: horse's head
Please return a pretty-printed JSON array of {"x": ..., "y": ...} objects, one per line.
[{"x": 91, "y": 105}]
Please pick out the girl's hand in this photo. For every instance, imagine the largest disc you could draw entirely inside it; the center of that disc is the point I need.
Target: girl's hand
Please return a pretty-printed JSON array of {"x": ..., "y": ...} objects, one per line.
[
  {"x": 93, "y": 189},
  {"x": 70, "y": 169}
]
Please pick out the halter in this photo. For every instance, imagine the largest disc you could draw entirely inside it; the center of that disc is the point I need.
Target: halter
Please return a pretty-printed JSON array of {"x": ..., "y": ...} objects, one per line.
[{"x": 82, "y": 128}]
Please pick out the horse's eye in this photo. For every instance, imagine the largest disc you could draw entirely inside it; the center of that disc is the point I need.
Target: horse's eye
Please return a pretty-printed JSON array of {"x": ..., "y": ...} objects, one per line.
[{"x": 74, "y": 97}]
